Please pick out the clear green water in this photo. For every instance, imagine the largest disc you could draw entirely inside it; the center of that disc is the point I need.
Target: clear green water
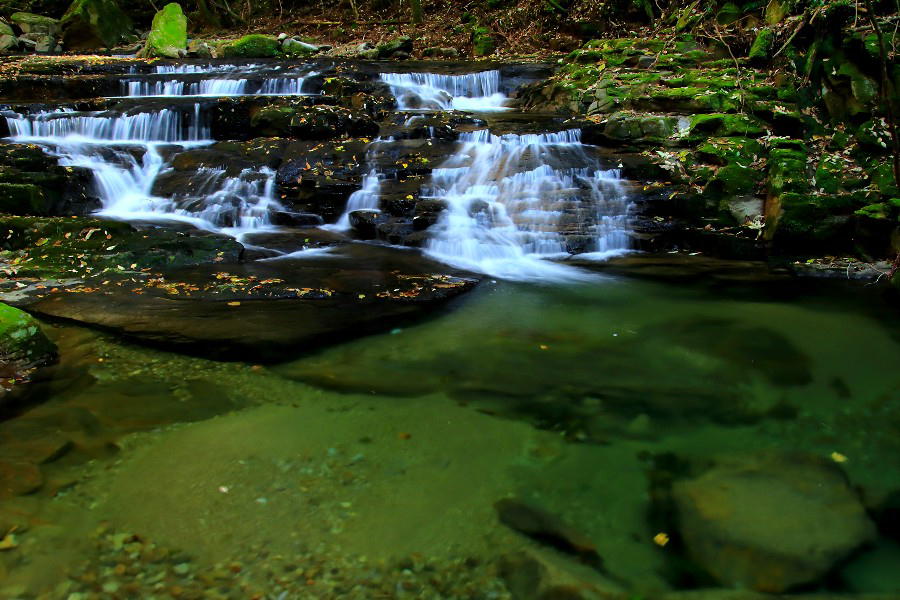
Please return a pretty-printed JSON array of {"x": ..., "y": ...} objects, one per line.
[{"x": 371, "y": 469}]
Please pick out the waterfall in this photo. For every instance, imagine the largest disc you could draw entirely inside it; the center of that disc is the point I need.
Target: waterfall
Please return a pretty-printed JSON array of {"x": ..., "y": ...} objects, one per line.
[
  {"x": 430, "y": 91},
  {"x": 510, "y": 202},
  {"x": 125, "y": 153},
  {"x": 218, "y": 87},
  {"x": 368, "y": 196}
]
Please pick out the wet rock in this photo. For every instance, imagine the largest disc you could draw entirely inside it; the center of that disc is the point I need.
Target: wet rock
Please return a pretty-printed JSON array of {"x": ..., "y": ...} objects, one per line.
[
  {"x": 23, "y": 346},
  {"x": 543, "y": 575},
  {"x": 303, "y": 304},
  {"x": 547, "y": 528},
  {"x": 90, "y": 24},
  {"x": 770, "y": 523},
  {"x": 427, "y": 213},
  {"x": 168, "y": 35},
  {"x": 365, "y": 222},
  {"x": 18, "y": 478},
  {"x": 199, "y": 49},
  {"x": 296, "y": 219}
]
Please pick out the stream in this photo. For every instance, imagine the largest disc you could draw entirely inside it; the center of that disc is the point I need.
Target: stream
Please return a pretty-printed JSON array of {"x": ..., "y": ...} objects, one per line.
[{"x": 612, "y": 394}]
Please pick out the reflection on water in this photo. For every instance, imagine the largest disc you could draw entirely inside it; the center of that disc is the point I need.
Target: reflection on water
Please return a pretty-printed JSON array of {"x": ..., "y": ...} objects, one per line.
[{"x": 681, "y": 437}]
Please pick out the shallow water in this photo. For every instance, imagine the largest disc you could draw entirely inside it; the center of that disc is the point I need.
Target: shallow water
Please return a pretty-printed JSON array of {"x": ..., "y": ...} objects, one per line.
[{"x": 370, "y": 469}]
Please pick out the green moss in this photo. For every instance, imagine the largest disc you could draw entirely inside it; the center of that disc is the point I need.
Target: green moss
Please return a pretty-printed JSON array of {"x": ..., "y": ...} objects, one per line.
[
  {"x": 880, "y": 210},
  {"x": 168, "y": 35},
  {"x": 92, "y": 23},
  {"x": 762, "y": 46},
  {"x": 883, "y": 177},
  {"x": 725, "y": 125},
  {"x": 723, "y": 151},
  {"x": 23, "y": 199},
  {"x": 252, "y": 46},
  {"x": 401, "y": 44},
  {"x": 733, "y": 180},
  {"x": 828, "y": 174},
  {"x": 483, "y": 44},
  {"x": 21, "y": 339}
]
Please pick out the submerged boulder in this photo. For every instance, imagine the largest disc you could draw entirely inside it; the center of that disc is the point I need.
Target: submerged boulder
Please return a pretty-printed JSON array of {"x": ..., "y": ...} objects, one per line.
[
  {"x": 23, "y": 346},
  {"x": 90, "y": 24},
  {"x": 770, "y": 523},
  {"x": 168, "y": 37}
]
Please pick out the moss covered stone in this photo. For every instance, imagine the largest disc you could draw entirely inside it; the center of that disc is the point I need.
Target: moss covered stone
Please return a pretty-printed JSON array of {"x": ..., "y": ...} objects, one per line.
[
  {"x": 23, "y": 199},
  {"x": 168, "y": 36},
  {"x": 829, "y": 173},
  {"x": 761, "y": 49},
  {"x": 734, "y": 180},
  {"x": 402, "y": 44},
  {"x": 724, "y": 125},
  {"x": 22, "y": 343},
  {"x": 91, "y": 24},
  {"x": 252, "y": 46},
  {"x": 31, "y": 23},
  {"x": 724, "y": 151},
  {"x": 483, "y": 43}
]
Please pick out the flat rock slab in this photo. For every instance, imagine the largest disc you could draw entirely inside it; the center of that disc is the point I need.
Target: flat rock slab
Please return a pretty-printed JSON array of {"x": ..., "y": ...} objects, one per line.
[{"x": 264, "y": 311}]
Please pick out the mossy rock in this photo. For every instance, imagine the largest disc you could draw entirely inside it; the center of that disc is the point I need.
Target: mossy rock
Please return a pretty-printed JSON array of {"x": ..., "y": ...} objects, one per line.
[
  {"x": 252, "y": 46},
  {"x": 726, "y": 125},
  {"x": 91, "y": 24},
  {"x": 483, "y": 43},
  {"x": 402, "y": 44},
  {"x": 64, "y": 248},
  {"x": 31, "y": 23},
  {"x": 168, "y": 36},
  {"x": 723, "y": 151},
  {"x": 5, "y": 29},
  {"x": 803, "y": 220},
  {"x": 22, "y": 343},
  {"x": 23, "y": 199},
  {"x": 787, "y": 171},
  {"x": 829, "y": 173},
  {"x": 882, "y": 176},
  {"x": 761, "y": 50},
  {"x": 733, "y": 180}
]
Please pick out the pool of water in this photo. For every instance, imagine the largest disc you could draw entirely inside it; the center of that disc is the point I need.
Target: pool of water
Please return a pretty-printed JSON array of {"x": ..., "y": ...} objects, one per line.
[{"x": 371, "y": 469}]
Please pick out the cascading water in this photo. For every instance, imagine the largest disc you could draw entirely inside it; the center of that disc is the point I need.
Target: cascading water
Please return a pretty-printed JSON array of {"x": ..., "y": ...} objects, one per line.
[
  {"x": 430, "y": 91},
  {"x": 368, "y": 196},
  {"x": 124, "y": 152},
  {"x": 255, "y": 82},
  {"x": 512, "y": 200}
]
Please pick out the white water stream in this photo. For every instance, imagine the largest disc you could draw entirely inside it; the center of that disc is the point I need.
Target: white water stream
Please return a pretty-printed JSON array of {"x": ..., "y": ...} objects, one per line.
[
  {"x": 478, "y": 92},
  {"x": 511, "y": 200}
]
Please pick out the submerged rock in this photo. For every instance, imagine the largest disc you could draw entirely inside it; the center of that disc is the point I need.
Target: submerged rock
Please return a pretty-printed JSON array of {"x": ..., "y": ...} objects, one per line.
[
  {"x": 770, "y": 523},
  {"x": 23, "y": 347},
  {"x": 543, "y": 575},
  {"x": 90, "y": 24}
]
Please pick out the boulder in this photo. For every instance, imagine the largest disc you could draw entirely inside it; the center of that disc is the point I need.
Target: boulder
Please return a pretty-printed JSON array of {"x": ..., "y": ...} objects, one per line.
[
  {"x": 770, "y": 523},
  {"x": 5, "y": 29},
  {"x": 365, "y": 222},
  {"x": 294, "y": 47},
  {"x": 168, "y": 36},
  {"x": 90, "y": 24},
  {"x": 39, "y": 42},
  {"x": 31, "y": 23},
  {"x": 252, "y": 46},
  {"x": 397, "y": 47},
  {"x": 542, "y": 575},
  {"x": 23, "y": 346},
  {"x": 8, "y": 43}
]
